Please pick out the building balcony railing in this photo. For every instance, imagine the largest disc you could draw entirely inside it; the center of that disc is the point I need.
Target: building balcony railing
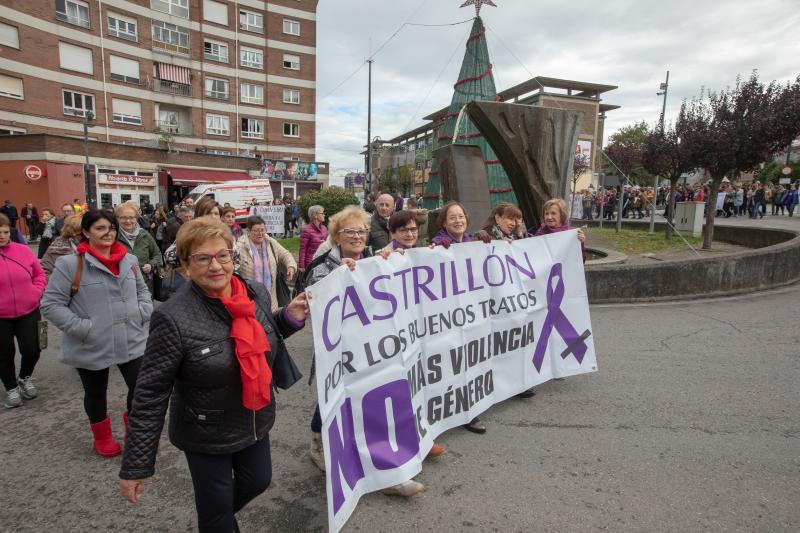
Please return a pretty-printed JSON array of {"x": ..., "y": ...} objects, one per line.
[
  {"x": 172, "y": 48},
  {"x": 171, "y": 87},
  {"x": 73, "y": 19},
  {"x": 168, "y": 127}
]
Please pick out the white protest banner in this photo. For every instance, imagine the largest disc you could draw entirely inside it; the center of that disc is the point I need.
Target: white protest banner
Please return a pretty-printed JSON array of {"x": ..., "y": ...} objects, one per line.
[
  {"x": 272, "y": 215},
  {"x": 411, "y": 346},
  {"x": 721, "y": 201}
]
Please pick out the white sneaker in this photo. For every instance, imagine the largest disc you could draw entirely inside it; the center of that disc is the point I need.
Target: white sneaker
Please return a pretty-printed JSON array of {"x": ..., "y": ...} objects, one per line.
[
  {"x": 13, "y": 398},
  {"x": 26, "y": 388},
  {"x": 406, "y": 488}
]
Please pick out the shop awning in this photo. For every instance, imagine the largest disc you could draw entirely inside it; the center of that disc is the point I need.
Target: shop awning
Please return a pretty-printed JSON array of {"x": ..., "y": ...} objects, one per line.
[{"x": 191, "y": 176}]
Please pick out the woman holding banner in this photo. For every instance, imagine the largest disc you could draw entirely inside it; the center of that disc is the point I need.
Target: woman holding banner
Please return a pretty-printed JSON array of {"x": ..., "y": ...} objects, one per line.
[
  {"x": 555, "y": 220},
  {"x": 212, "y": 348},
  {"x": 348, "y": 230}
]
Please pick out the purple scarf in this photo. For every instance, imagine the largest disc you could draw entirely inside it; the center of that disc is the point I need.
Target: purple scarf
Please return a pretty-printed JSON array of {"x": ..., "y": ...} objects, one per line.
[{"x": 467, "y": 237}]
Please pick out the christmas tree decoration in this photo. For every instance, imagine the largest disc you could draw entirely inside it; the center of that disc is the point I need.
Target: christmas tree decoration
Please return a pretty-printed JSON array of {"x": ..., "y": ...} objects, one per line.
[
  {"x": 475, "y": 82},
  {"x": 478, "y": 4}
]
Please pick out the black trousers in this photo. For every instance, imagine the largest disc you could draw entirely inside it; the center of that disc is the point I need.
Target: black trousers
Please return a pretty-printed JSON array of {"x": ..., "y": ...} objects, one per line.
[
  {"x": 95, "y": 386},
  {"x": 225, "y": 483},
  {"x": 25, "y": 329}
]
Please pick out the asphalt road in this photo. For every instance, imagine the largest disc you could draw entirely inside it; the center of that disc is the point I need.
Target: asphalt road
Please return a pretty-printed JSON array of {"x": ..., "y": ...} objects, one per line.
[{"x": 692, "y": 423}]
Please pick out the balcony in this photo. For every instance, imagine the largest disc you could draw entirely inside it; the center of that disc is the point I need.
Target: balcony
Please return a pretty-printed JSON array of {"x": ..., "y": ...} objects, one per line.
[
  {"x": 171, "y": 48},
  {"x": 170, "y": 87},
  {"x": 78, "y": 19}
]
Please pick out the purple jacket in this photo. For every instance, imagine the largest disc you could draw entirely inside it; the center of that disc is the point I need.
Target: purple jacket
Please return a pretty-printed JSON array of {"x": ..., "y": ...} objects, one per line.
[
  {"x": 22, "y": 281},
  {"x": 442, "y": 235},
  {"x": 310, "y": 239}
]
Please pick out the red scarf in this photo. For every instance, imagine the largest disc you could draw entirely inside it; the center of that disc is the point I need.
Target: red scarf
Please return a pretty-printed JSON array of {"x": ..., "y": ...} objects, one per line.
[
  {"x": 251, "y": 343},
  {"x": 118, "y": 252}
]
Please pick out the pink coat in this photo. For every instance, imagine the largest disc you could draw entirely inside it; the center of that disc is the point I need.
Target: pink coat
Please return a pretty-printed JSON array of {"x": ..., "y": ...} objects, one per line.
[
  {"x": 310, "y": 239},
  {"x": 22, "y": 281}
]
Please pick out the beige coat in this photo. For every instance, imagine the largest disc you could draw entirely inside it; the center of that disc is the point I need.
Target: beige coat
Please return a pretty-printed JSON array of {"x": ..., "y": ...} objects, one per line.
[{"x": 284, "y": 258}]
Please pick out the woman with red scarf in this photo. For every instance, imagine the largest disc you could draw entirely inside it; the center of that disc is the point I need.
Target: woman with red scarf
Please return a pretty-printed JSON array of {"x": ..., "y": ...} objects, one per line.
[
  {"x": 98, "y": 299},
  {"x": 212, "y": 349}
]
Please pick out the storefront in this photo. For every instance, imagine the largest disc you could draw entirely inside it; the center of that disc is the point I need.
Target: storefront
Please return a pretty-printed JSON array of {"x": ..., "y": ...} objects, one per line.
[
  {"x": 116, "y": 186},
  {"x": 177, "y": 182}
]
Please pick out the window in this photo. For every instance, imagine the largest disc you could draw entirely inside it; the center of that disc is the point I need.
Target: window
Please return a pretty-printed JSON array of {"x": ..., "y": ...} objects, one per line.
[
  {"x": 216, "y": 51},
  {"x": 218, "y": 125},
  {"x": 250, "y": 21},
  {"x": 251, "y": 57},
  {"x": 252, "y": 93},
  {"x": 75, "y": 58},
  {"x": 253, "y": 128},
  {"x": 218, "y": 152},
  {"x": 8, "y": 130},
  {"x": 77, "y": 104},
  {"x": 124, "y": 69},
  {"x": 216, "y": 88},
  {"x": 179, "y": 8},
  {"x": 73, "y": 11},
  {"x": 9, "y": 36},
  {"x": 291, "y": 96},
  {"x": 11, "y": 87},
  {"x": 127, "y": 112},
  {"x": 122, "y": 27},
  {"x": 290, "y": 129},
  {"x": 170, "y": 37},
  {"x": 291, "y": 62},
  {"x": 215, "y": 12},
  {"x": 291, "y": 27}
]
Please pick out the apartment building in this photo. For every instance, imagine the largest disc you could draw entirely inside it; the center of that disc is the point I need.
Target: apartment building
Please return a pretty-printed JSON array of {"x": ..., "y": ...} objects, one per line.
[{"x": 225, "y": 77}]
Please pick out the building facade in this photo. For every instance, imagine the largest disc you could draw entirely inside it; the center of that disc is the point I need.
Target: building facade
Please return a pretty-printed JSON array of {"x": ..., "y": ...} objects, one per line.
[
  {"x": 411, "y": 153},
  {"x": 226, "y": 77}
]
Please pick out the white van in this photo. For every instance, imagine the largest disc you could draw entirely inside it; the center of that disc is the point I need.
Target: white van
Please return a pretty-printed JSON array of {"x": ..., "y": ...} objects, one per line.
[{"x": 239, "y": 194}]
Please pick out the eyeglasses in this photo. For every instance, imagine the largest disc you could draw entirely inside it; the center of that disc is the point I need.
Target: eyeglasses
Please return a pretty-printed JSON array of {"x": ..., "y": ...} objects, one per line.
[
  {"x": 204, "y": 260},
  {"x": 353, "y": 232},
  {"x": 126, "y": 218},
  {"x": 408, "y": 231}
]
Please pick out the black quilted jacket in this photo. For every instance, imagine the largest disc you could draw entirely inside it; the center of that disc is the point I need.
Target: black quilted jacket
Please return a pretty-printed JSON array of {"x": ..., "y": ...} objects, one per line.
[{"x": 191, "y": 357}]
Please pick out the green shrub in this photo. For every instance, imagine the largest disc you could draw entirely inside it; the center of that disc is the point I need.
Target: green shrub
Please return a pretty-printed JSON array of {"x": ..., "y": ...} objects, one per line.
[{"x": 332, "y": 199}]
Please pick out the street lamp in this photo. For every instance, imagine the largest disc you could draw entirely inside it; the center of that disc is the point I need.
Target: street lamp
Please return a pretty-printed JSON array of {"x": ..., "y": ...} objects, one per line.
[
  {"x": 663, "y": 88},
  {"x": 88, "y": 183}
]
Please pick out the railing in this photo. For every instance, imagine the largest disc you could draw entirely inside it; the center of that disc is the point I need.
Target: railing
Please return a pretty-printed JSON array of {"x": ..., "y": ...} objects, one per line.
[
  {"x": 170, "y": 87},
  {"x": 72, "y": 19},
  {"x": 169, "y": 47},
  {"x": 167, "y": 127}
]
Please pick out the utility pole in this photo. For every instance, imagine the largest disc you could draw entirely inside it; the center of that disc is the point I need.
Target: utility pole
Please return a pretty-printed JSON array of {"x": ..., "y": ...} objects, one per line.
[
  {"x": 602, "y": 193},
  {"x": 88, "y": 184},
  {"x": 664, "y": 87},
  {"x": 369, "y": 128}
]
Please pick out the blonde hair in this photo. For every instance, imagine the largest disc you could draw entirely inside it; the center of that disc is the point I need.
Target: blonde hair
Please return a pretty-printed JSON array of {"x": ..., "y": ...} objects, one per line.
[
  {"x": 336, "y": 222},
  {"x": 72, "y": 227},
  {"x": 196, "y": 232},
  {"x": 130, "y": 204},
  {"x": 560, "y": 204}
]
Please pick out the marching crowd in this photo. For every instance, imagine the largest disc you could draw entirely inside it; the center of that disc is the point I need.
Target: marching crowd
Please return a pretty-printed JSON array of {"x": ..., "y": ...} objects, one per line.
[
  {"x": 738, "y": 200},
  {"x": 213, "y": 352}
]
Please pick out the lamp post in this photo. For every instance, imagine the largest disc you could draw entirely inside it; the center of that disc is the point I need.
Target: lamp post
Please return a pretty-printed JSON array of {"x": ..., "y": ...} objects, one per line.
[
  {"x": 88, "y": 183},
  {"x": 369, "y": 127},
  {"x": 664, "y": 87}
]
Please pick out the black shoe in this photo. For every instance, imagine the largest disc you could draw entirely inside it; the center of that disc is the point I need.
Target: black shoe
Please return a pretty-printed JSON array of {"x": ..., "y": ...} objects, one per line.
[
  {"x": 530, "y": 393},
  {"x": 475, "y": 426}
]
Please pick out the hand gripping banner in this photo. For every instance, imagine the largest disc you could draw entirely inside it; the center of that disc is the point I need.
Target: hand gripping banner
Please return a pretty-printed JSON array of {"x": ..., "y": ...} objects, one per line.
[{"x": 408, "y": 347}]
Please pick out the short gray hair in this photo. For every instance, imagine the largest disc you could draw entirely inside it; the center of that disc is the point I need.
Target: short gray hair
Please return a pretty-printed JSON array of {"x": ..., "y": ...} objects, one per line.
[{"x": 315, "y": 210}]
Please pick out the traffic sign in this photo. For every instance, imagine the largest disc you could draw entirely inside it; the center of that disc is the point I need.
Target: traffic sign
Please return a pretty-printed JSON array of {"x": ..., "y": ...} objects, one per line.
[
  {"x": 787, "y": 170},
  {"x": 32, "y": 172}
]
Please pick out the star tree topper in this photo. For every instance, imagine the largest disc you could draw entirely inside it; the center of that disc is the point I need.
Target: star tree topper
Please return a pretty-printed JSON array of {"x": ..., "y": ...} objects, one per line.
[{"x": 478, "y": 4}]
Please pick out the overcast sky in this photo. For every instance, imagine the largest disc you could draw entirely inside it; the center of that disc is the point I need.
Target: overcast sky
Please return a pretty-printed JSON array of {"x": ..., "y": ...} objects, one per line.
[{"x": 627, "y": 43}]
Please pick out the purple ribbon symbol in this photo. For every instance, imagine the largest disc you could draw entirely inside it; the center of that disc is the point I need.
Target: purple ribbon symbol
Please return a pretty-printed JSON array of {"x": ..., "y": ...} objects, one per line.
[{"x": 558, "y": 320}]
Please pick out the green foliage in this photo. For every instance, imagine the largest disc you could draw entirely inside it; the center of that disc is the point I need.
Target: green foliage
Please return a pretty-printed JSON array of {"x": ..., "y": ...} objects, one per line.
[
  {"x": 635, "y": 134},
  {"x": 772, "y": 172},
  {"x": 332, "y": 199},
  {"x": 293, "y": 244}
]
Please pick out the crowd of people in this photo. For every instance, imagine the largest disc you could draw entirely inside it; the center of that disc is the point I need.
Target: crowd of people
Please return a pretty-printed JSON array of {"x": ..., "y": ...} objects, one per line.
[
  {"x": 214, "y": 351},
  {"x": 739, "y": 199}
]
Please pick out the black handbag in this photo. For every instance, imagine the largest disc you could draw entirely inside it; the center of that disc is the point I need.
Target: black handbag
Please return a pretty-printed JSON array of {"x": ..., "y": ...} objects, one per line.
[
  {"x": 283, "y": 293},
  {"x": 284, "y": 370}
]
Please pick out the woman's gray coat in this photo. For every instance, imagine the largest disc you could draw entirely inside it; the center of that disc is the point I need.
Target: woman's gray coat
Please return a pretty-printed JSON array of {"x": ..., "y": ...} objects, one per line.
[{"x": 104, "y": 323}]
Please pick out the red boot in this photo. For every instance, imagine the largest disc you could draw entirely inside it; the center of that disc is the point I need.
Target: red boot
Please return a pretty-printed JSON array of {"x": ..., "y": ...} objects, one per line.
[
  {"x": 125, "y": 420},
  {"x": 104, "y": 442}
]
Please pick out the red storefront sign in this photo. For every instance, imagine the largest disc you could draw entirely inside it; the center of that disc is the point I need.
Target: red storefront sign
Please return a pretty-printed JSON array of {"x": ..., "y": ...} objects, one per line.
[{"x": 32, "y": 172}]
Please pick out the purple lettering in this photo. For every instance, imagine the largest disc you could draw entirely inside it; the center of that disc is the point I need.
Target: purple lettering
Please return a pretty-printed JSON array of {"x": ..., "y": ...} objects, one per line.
[
  {"x": 330, "y": 345},
  {"x": 471, "y": 277},
  {"x": 384, "y": 296},
  {"x": 423, "y": 286},
  {"x": 350, "y": 295},
  {"x": 344, "y": 456},
  {"x": 376, "y": 425}
]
